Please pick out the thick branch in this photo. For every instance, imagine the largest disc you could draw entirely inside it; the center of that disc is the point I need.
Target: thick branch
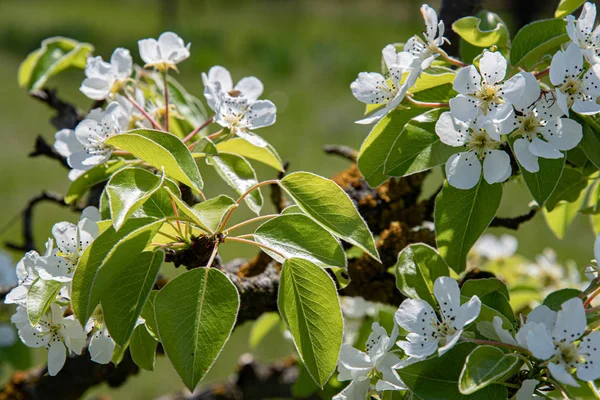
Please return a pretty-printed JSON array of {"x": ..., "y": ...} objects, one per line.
[
  {"x": 67, "y": 116},
  {"x": 451, "y": 11},
  {"x": 43, "y": 148},
  {"x": 515, "y": 222}
]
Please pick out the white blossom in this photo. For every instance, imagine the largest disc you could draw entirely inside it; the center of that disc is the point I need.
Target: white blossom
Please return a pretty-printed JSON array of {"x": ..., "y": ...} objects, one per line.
[
  {"x": 527, "y": 390},
  {"x": 428, "y": 331},
  {"x": 481, "y": 141},
  {"x": 71, "y": 240},
  {"x": 241, "y": 116},
  {"x": 135, "y": 118},
  {"x": 543, "y": 133},
  {"x": 164, "y": 53},
  {"x": 539, "y": 315},
  {"x": 26, "y": 275},
  {"x": 101, "y": 346},
  {"x": 218, "y": 85},
  {"x": 489, "y": 94},
  {"x": 427, "y": 50},
  {"x": 86, "y": 144},
  {"x": 59, "y": 334},
  {"x": 496, "y": 248},
  {"x": 389, "y": 90},
  {"x": 564, "y": 346},
  {"x": 104, "y": 79},
  {"x": 581, "y": 31},
  {"x": 575, "y": 88},
  {"x": 378, "y": 360}
]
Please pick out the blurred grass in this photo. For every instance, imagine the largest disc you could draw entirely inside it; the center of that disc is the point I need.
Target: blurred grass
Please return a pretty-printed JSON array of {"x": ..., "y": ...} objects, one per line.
[{"x": 305, "y": 52}]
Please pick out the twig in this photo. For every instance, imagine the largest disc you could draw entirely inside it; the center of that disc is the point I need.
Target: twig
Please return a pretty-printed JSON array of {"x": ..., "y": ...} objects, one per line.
[
  {"x": 198, "y": 129},
  {"x": 67, "y": 116},
  {"x": 343, "y": 151},
  {"x": 515, "y": 222},
  {"x": 43, "y": 148},
  {"x": 277, "y": 197}
]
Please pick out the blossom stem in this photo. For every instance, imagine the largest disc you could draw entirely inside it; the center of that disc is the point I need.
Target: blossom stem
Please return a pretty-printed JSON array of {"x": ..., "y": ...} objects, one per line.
[
  {"x": 213, "y": 255},
  {"x": 121, "y": 153},
  {"x": 155, "y": 124},
  {"x": 253, "y": 243},
  {"x": 166, "y": 90},
  {"x": 242, "y": 197},
  {"x": 176, "y": 212},
  {"x": 198, "y": 129},
  {"x": 426, "y": 104},
  {"x": 453, "y": 61},
  {"x": 495, "y": 343},
  {"x": 250, "y": 221},
  {"x": 542, "y": 73},
  {"x": 591, "y": 297},
  {"x": 563, "y": 390}
]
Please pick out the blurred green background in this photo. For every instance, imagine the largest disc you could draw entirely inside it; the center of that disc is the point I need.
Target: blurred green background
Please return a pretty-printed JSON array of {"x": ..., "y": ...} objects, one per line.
[{"x": 306, "y": 53}]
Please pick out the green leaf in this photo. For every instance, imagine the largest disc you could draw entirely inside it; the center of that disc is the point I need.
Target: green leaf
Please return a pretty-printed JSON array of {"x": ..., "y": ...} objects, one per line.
[
  {"x": 123, "y": 288},
  {"x": 569, "y": 188},
  {"x": 481, "y": 287},
  {"x": 262, "y": 326},
  {"x": 296, "y": 235},
  {"x": 562, "y": 215},
  {"x": 418, "y": 266},
  {"x": 566, "y": 7},
  {"x": 205, "y": 146},
  {"x": 377, "y": 146},
  {"x": 97, "y": 174},
  {"x": 470, "y": 30},
  {"x": 590, "y": 143},
  {"x": 237, "y": 172},
  {"x": 310, "y": 307},
  {"x": 486, "y": 365},
  {"x": 187, "y": 210},
  {"x": 418, "y": 148},
  {"x": 536, "y": 40},
  {"x": 143, "y": 348},
  {"x": 127, "y": 190},
  {"x": 325, "y": 202},
  {"x": 555, "y": 300},
  {"x": 461, "y": 216},
  {"x": 54, "y": 56},
  {"x": 110, "y": 248},
  {"x": 148, "y": 314},
  {"x": 196, "y": 313},
  {"x": 212, "y": 211},
  {"x": 487, "y": 314},
  {"x": 438, "y": 378},
  {"x": 266, "y": 155},
  {"x": 159, "y": 204},
  {"x": 161, "y": 150},
  {"x": 434, "y": 87},
  {"x": 39, "y": 297}
]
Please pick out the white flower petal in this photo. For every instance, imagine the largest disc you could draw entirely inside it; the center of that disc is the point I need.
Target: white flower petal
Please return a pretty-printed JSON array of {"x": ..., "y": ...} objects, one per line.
[
  {"x": 542, "y": 315},
  {"x": 585, "y": 107},
  {"x": 451, "y": 131},
  {"x": 562, "y": 101},
  {"x": 415, "y": 315},
  {"x": 251, "y": 88},
  {"x": 597, "y": 248},
  {"x": 591, "y": 80},
  {"x": 564, "y": 133},
  {"x": 447, "y": 293},
  {"x": 544, "y": 149},
  {"x": 463, "y": 170},
  {"x": 57, "y": 355},
  {"x": 560, "y": 374},
  {"x": 527, "y": 389},
  {"x": 66, "y": 142},
  {"x": 251, "y": 138},
  {"x": 526, "y": 158},
  {"x": 172, "y": 47},
  {"x": 495, "y": 165},
  {"x": 570, "y": 321},
  {"x": 467, "y": 80},
  {"x": 450, "y": 342},
  {"x": 91, "y": 213},
  {"x": 356, "y": 390},
  {"x": 222, "y": 76},
  {"x": 468, "y": 313},
  {"x": 260, "y": 113},
  {"x": 122, "y": 62},
  {"x": 96, "y": 88},
  {"x": 573, "y": 60},
  {"x": 539, "y": 341},
  {"x": 530, "y": 94},
  {"x": 418, "y": 346},
  {"x": 558, "y": 68},
  {"x": 391, "y": 380},
  {"x": 149, "y": 50},
  {"x": 493, "y": 67},
  {"x": 464, "y": 108},
  {"x": 367, "y": 88},
  {"x": 502, "y": 333},
  {"x": 101, "y": 346}
]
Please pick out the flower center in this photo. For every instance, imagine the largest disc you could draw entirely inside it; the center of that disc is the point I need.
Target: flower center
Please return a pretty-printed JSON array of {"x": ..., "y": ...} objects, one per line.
[
  {"x": 572, "y": 88},
  {"x": 481, "y": 143},
  {"x": 567, "y": 353},
  {"x": 530, "y": 125},
  {"x": 488, "y": 95}
]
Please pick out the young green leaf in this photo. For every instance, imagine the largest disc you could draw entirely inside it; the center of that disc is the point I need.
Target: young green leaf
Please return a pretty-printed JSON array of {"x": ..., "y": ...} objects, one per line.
[
  {"x": 434, "y": 87},
  {"x": 469, "y": 29},
  {"x": 123, "y": 288},
  {"x": 205, "y": 146},
  {"x": 566, "y": 7},
  {"x": 127, "y": 190},
  {"x": 487, "y": 365},
  {"x": 237, "y": 172},
  {"x": 159, "y": 204},
  {"x": 438, "y": 378},
  {"x": 39, "y": 297},
  {"x": 195, "y": 314},
  {"x": 149, "y": 315},
  {"x": 212, "y": 211},
  {"x": 54, "y": 56},
  {"x": 590, "y": 143},
  {"x": 143, "y": 348},
  {"x": 536, "y": 40},
  {"x": 309, "y": 305},
  {"x": 296, "y": 235},
  {"x": 418, "y": 148},
  {"x": 568, "y": 189},
  {"x": 266, "y": 155},
  {"x": 555, "y": 300},
  {"x": 377, "y": 146},
  {"x": 110, "y": 247},
  {"x": 418, "y": 266},
  {"x": 161, "y": 150},
  {"x": 325, "y": 202},
  {"x": 492, "y": 292},
  {"x": 99, "y": 173},
  {"x": 461, "y": 216}
]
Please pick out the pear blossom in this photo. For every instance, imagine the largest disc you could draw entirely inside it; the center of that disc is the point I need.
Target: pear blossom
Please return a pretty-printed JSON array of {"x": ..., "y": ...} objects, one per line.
[
  {"x": 59, "y": 334},
  {"x": 8, "y": 336},
  {"x": 543, "y": 133},
  {"x": 101, "y": 346},
  {"x": 26, "y": 275},
  {"x": 218, "y": 84},
  {"x": 430, "y": 332},
  {"x": 241, "y": 116},
  {"x": 496, "y": 248},
  {"x": 355, "y": 309},
  {"x": 389, "y": 90},
  {"x": 428, "y": 50},
  {"x": 104, "y": 79},
  {"x": 565, "y": 347},
  {"x": 86, "y": 145},
  {"x": 58, "y": 264},
  {"x": 8, "y": 274},
  {"x": 481, "y": 140},
  {"x": 539, "y": 315},
  {"x": 164, "y": 53},
  {"x": 527, "y": 390},
  {"x": 575, "y": 88},
  {"x": 136, "y": 118},
  {"x": 378, "y": 360},
  {"x": 489, "y": 94},
  {"x": 581, "y": 31}
]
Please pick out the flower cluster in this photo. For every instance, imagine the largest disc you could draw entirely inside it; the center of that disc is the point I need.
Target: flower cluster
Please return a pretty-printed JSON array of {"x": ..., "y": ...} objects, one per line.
[{"x": 430, "y": 332}]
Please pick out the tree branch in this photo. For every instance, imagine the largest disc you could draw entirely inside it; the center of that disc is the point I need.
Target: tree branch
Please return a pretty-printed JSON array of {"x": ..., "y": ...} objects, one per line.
[
  {"x": 514, "y": 222},
  {"x": 67, "y": 116},
  {"x": 43, "y": 148}
]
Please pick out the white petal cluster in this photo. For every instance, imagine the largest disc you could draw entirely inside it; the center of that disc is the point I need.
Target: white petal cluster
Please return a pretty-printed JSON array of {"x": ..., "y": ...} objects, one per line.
[
  {"x": 496, "y": 248},
  {"x": 105, "y": 79},
  {"x": 581, "y": 32},
  {"x": 426, "y": 51},
  {"x": 164, "y": 53},
  {"x": 237, "y": 108}
]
